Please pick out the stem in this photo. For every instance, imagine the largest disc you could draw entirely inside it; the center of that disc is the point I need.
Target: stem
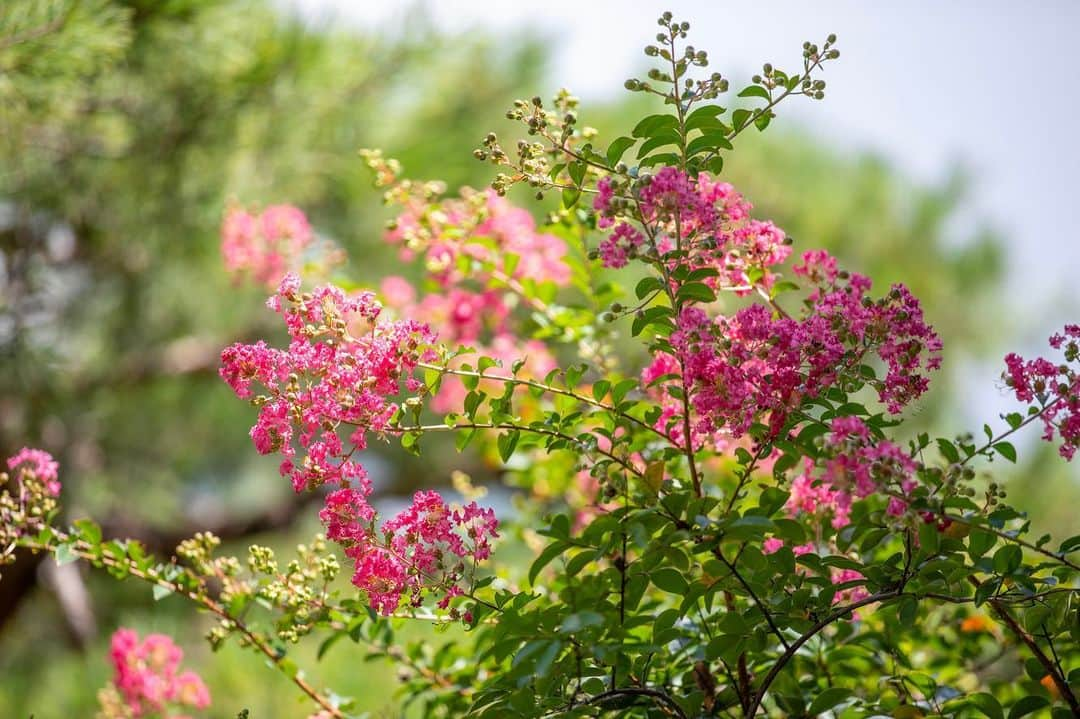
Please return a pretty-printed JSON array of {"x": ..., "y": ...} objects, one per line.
[
  {"x": 1009, "y": 538},
  {"x": 990, "y": 443},
  {"x": 659, "y": 696},
  {"x": 83, "y": 550},
  {"x": 1051, "y": 668},
  {"x": 786, "y": 657},
  {"x": 761, "y": 605},
  {"x": 549, "y": 389},
  {"x": 509, "y": 425}
]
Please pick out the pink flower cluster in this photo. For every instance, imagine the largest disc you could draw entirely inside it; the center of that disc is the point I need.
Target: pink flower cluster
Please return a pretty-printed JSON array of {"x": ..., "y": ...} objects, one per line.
[
  {"x": 146, "y": 673},
  {"x": 427, "y": 547},
  {"x": 1054, "y": 388},
  {"x": 39, "y": 465},
  {"x": 754, "y": 365},
  {"x": 706, "y": 218},
  {"x": 342, "y": 369},
  {"x": 267, "y": 245},
  {"x": 856, "y": 465},
  {"x": 848, "y": 594}
]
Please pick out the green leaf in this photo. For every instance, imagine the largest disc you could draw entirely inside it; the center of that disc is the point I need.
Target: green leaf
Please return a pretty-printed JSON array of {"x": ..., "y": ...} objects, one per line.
[
  {"x": 828, "y": 699},
  {"x": 652, "y": 124},
  {"x": 1006, "y": 450},
  {"x": 618, "y": 148},
  {"x": 576, "y": 170},
  {"x": 754, "y": 91},
  {"x": 580, "y": 620},
  {"x": 704, "y": 116},
  {"x": 507, "y": 442},
  {"x": 648, "y": 285},
  {"x": 696, "y": 292},
  {"x": 663, "y": 158},
  {"x": 948, "y": 450},
  {"x": 65, "y": 554},
  {"x": 987, "y": 704},
  {"x": 986, "y": 590},
  {"x": 660, "y": 140},
  {"x": 1027, "y": 705},
  {"x": 545, "y": 660},
  {"x": 979, "y": 542},
  {"x": 545, "y": 558},
  {"x": 669, "y": 579},
  {"x": 709, "y": 141},
  {"x": 929, "y": 538},
  {"x": 570, "y": 197},
  {"x": 1008, "y": 559},
  {"x": 1071, "y": 544},
  {"x": 740, "y": 117},
  {"x": 88, "y": 530}
]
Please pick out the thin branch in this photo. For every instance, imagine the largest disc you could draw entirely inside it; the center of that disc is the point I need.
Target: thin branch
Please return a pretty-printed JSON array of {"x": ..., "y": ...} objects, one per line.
[
  {"x": 1051, "y": 668},
  {"x": 659, "y": 696},
  {"x": 753, "y": 595},
  {"x": 84, "y": 551},
  {"x": 509, "y": 425},
  {"x": 759, "y": 695}
]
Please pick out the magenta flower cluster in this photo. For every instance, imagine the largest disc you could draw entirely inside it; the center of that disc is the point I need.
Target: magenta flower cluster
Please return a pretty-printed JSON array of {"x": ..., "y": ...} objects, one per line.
[
  {"x": 146, "y": 674},
  {"x": 499, "y": 248},
  {"x": 707, "y": 219},
  {"x": 1052, "y": 389},
  {"x": 755, "y": 366}
]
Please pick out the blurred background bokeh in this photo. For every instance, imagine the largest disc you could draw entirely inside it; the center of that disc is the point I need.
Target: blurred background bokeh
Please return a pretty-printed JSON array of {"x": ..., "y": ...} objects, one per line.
[{"x": 943, "y": 156}]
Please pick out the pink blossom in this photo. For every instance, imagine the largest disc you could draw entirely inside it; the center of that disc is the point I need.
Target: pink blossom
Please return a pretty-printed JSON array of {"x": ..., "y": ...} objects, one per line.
[
  {"x": 1053, "y": 390},
  {"x": 849, "y": 594},
  {"x": 264, "y": 246},
  {"x": 771, "y": 545},
  {"x": 40, "y": 465},
  {"x": 341, "y": 371},
  {"x": 428, "y": 547},
  {"x": 146, "y": 674},
  {"x": 620, "y": 245}
]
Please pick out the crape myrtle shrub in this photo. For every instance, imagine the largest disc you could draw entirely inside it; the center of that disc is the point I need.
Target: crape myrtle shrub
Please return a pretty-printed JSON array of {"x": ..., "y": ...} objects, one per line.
[{"x": 724, "y": 524}]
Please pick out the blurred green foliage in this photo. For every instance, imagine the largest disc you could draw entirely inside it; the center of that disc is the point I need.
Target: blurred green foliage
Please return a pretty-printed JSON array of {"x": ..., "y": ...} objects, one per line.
[{"x": 126, "y": 126}]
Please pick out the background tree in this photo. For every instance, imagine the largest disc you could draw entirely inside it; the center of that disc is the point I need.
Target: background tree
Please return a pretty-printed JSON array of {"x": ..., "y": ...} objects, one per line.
[{"x": 126, "y": 129}]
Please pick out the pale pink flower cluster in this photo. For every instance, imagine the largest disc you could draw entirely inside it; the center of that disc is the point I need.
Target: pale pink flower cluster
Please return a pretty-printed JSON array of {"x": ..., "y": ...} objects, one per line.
[
  {"x": 480, "y": 320},
  {"x": 706, "y": 218},
  {"x": 264, "y": 246},
  {"x": 427, "y": 547},
  {"x": 851, "y": 594},
  {"x": 340, "y": 372},
  {"x": 482, "y": 228},
  {"x": 1056, "y": 389},
  {"x": 485, "y": 231},
  {"x": 756, "y": 367},
  {"x": 38, "y": 465},
  {"x": 146, "y": 674}
]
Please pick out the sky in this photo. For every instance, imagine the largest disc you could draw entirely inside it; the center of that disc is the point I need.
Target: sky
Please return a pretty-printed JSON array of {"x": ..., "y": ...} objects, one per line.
[{"x": 926, "y": 84}]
